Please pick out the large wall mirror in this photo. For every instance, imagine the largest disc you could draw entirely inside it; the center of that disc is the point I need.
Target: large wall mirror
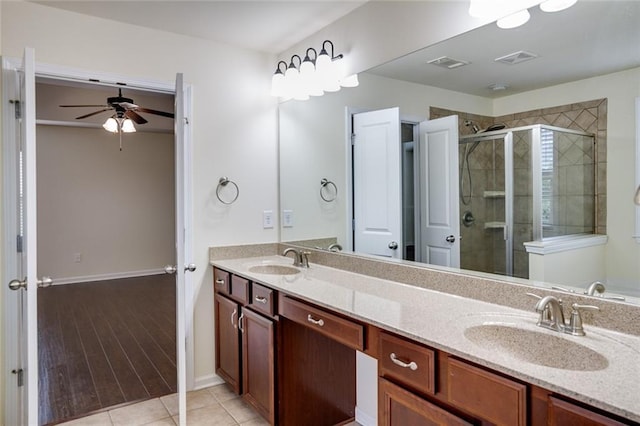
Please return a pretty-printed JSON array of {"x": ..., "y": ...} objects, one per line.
[{"x": 577, "y": 72}]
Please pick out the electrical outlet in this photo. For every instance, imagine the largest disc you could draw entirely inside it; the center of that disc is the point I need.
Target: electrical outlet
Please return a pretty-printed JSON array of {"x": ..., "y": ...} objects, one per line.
[
  {"x": 267, "y": 219},
  {"x": 287, "y": 218},
  {"x": 77, "y": 257}
]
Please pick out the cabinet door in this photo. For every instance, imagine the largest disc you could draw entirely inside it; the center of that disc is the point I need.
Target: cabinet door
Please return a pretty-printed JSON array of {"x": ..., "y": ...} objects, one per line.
[
  {"x": 399, "y": 407},
  {"x": 227, "y": 340},
  {"x": 566, "y": 413},
  {"x": 258, "y": 363}
]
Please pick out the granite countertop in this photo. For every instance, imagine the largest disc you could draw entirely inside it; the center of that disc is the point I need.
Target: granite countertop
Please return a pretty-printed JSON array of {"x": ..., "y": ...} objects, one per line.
[{"x": 603, "y": 371}]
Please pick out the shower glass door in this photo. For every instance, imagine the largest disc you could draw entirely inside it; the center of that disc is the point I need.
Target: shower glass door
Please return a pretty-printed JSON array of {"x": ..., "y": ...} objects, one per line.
[{"x": 486, "y": 189}]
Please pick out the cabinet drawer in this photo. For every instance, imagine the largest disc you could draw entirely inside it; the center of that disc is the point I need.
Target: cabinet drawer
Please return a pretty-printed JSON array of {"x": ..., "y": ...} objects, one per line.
[
  {"x": 565, "y": 413},
  {"x": 409, "y": 363},
  {"x": 221, "y": 281},
  {"x": 485, "y": 394},
  {"x": 399, "y": 407},
  {"x": 240, "y": 289},
  {"x": 342, "y": 330},
  {"x": 263, "y": 299}
]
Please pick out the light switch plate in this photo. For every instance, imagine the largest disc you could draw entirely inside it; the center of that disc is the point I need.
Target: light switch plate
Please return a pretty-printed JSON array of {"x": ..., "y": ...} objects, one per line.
[
  {"x": 267, "y": 219},
  {"x": 287, "y": 218}
]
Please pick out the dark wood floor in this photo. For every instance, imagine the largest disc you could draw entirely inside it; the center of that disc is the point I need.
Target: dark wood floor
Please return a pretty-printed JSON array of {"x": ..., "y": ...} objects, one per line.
[{"x": 105, "y": 343}]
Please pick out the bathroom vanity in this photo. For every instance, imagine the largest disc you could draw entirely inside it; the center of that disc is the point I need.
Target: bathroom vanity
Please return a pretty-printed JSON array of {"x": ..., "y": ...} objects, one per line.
[{"x": 286, "y": 340}]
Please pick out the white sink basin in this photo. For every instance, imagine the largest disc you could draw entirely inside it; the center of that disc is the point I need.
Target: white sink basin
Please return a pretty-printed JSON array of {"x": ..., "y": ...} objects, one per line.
[
  {"x": 274, "y": 269},
  {"x": 536, "y": 347}
]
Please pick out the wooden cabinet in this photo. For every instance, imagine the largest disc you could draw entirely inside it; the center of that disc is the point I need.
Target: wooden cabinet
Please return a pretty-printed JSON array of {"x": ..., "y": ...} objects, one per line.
[
  {"x": 227, "y": 340},
  {"x": 258, "y": 363},
  {"x": 245, "y": 341},
  {"x": 399, "y": 407},
  {"x": 407, "y": 362},
  {"x": 563, "y": 413}
]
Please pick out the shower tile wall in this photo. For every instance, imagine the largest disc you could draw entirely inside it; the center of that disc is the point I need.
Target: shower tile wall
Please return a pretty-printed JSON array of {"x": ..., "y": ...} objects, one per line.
[{"x": 483, "y": 249}]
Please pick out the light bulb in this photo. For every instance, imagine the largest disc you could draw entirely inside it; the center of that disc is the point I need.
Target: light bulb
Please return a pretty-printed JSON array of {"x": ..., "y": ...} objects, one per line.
[
  {"x": 556, "y": 5},
  {"x": 127, "y": 126},
  {"x": 111, "y": 125},
  {"x": 514, "y": 20}
]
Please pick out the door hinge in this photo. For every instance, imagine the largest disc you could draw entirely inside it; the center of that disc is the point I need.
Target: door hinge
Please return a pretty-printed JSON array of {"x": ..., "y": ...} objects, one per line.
[
  {"x": 18, "y": 107},
  {"x": 19, "y": 243},
  {"x": 20, "y": 376}
]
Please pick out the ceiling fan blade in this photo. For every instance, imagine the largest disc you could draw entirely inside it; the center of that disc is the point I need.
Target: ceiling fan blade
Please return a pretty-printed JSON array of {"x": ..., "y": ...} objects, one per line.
[
  {"x": 156, "y": 112},
  {"x": 92, "y": 113},
  {"x": 135, "y": 117},
  {"x": 82, "y": 106}
]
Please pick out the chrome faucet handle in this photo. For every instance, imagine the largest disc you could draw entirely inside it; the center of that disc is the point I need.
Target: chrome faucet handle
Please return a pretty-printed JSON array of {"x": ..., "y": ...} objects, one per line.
[
  {"x": 575, "y": 322},
  {"x": 304, "y": 259},
  {"x": 545, "y": 315}
]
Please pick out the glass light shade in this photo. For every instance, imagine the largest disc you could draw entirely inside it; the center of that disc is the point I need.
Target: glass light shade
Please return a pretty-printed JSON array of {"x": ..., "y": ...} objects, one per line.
[
  {"x": 277, "y": 84},
  {"x": 323, "y": 64},
  {"x": 127, "y": 126},
  {"x": 309, "y": 79},
  {"x": 556, "y": 5},
  {"x": 514, "y": 20},
  {"x": 111, "y": 125},
  {"x": 350, "y": 81}
]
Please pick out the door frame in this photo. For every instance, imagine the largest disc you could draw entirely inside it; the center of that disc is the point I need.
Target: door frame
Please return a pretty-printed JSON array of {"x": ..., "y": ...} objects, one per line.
[{"x": 62, "y": 73}]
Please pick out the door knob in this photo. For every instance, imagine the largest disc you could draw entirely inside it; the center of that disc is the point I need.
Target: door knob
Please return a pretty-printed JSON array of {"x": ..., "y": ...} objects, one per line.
[
  {"x": 170, "y": 269},
  {"x": 450, "y": 239},
  {"x": 45, "y": 282},
  {"x": 190, "y": 267},
  {"x": 17, "y": 284},
  {"x": 393, "y": 245}
]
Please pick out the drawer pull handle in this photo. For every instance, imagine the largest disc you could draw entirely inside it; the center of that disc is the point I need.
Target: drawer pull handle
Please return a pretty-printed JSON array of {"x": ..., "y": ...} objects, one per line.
[
  {"x": 233, "y": 314},
  {"x": 261, "y": 299},
  {"x": 312, "y": 320},
  {"x": 220, "y": 281},
  {"x": 240, "y": 322},
  {"x": 412, "y": 365}
]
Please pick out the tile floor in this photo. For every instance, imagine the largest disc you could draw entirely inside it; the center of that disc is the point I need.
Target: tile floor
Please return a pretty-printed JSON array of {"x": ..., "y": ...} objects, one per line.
[{"x": 216, "y": 405}]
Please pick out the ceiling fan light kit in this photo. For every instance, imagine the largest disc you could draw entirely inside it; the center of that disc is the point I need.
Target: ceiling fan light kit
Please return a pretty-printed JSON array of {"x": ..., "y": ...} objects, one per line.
[
  {"x": 126, "y": 113},
  {"x": 311, "y": 77}
]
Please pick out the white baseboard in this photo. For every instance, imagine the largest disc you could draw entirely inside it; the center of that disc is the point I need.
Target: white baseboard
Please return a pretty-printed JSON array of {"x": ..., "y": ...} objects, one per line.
[
  {"x": 365, "y": 419},
  {"x": 207, "y": 381},
  {"x": 104, "y": 277}
]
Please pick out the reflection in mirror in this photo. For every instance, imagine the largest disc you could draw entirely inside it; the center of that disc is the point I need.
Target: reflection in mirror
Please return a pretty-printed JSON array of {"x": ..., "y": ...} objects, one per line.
[{"x": 564, "y": 74}]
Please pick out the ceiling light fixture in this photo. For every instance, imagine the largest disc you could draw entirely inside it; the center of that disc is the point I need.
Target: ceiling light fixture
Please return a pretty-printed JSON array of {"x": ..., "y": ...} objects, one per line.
[
  {"x": 119, "y": 123},
  {"x": 324, "y": 72}
]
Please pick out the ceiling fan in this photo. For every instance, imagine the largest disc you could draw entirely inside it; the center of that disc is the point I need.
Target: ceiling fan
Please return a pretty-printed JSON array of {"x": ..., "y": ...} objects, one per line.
[{"x": 123, "y": 107}]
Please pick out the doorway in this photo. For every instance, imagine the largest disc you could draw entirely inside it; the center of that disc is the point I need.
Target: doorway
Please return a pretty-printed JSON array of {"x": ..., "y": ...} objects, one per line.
[{"x": 105, "y": 220}]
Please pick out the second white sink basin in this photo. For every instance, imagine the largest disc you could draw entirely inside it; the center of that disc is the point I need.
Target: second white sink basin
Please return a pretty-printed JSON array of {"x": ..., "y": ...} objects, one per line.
[{"x": 536, "y": 347}]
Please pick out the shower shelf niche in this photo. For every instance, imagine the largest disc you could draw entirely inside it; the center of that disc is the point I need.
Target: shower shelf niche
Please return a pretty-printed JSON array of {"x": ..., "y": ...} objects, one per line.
[{"x": 493, "y": 194}]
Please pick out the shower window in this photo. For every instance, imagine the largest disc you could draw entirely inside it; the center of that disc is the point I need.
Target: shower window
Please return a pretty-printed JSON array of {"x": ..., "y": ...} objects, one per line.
[{"x": 547, "y": 166}]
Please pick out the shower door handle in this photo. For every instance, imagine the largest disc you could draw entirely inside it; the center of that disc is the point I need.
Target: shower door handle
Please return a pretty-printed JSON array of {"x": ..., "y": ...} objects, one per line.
[{"x": 450, "y": 239}]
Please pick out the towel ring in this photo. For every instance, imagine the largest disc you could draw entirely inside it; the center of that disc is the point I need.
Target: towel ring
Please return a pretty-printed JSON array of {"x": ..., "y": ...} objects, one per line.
[
  {"x": 221, "y": 184},
  {"x": 323, "y": 184}
]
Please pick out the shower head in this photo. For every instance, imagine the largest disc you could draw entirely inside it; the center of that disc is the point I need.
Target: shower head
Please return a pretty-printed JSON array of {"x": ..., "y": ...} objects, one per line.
[{"x": 473, "y": 126}]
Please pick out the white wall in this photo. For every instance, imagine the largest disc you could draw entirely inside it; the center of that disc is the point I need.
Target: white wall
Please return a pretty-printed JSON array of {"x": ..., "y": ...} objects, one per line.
[
  {"x": 622, "y": 252},
  {"x": 234, "y": 121},
  {"x": 114, "y": 208}
]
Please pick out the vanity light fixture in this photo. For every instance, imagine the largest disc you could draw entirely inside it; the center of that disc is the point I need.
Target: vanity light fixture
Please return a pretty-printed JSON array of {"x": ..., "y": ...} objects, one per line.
[
  {"x": 516, "y": 11},
  {"x": 115, "y": 124},
  {"x": 312, "y": 76}
]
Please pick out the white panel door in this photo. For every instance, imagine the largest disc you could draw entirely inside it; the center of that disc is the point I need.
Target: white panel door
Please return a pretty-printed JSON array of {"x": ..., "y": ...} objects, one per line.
[
  {"x": 440, "y": 216},
  {"x": 377, "y": 199}
]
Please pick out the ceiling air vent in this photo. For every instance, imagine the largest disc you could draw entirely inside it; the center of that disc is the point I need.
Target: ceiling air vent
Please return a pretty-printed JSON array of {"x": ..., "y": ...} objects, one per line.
[
  {"x": 516, "y": 57},
  {"x": 447, "y": 62}
]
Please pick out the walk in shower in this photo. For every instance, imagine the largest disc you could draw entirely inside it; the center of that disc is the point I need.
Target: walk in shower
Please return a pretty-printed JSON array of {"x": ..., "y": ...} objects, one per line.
[{"x": 522, "y": 184}]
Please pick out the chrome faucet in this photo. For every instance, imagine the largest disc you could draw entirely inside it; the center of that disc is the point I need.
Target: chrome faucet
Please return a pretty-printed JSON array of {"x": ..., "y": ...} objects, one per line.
[
  {"x": 594, "y": 287},
  {"x": 300, "y": 258},
  {"x": 552, "y": 315}
]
